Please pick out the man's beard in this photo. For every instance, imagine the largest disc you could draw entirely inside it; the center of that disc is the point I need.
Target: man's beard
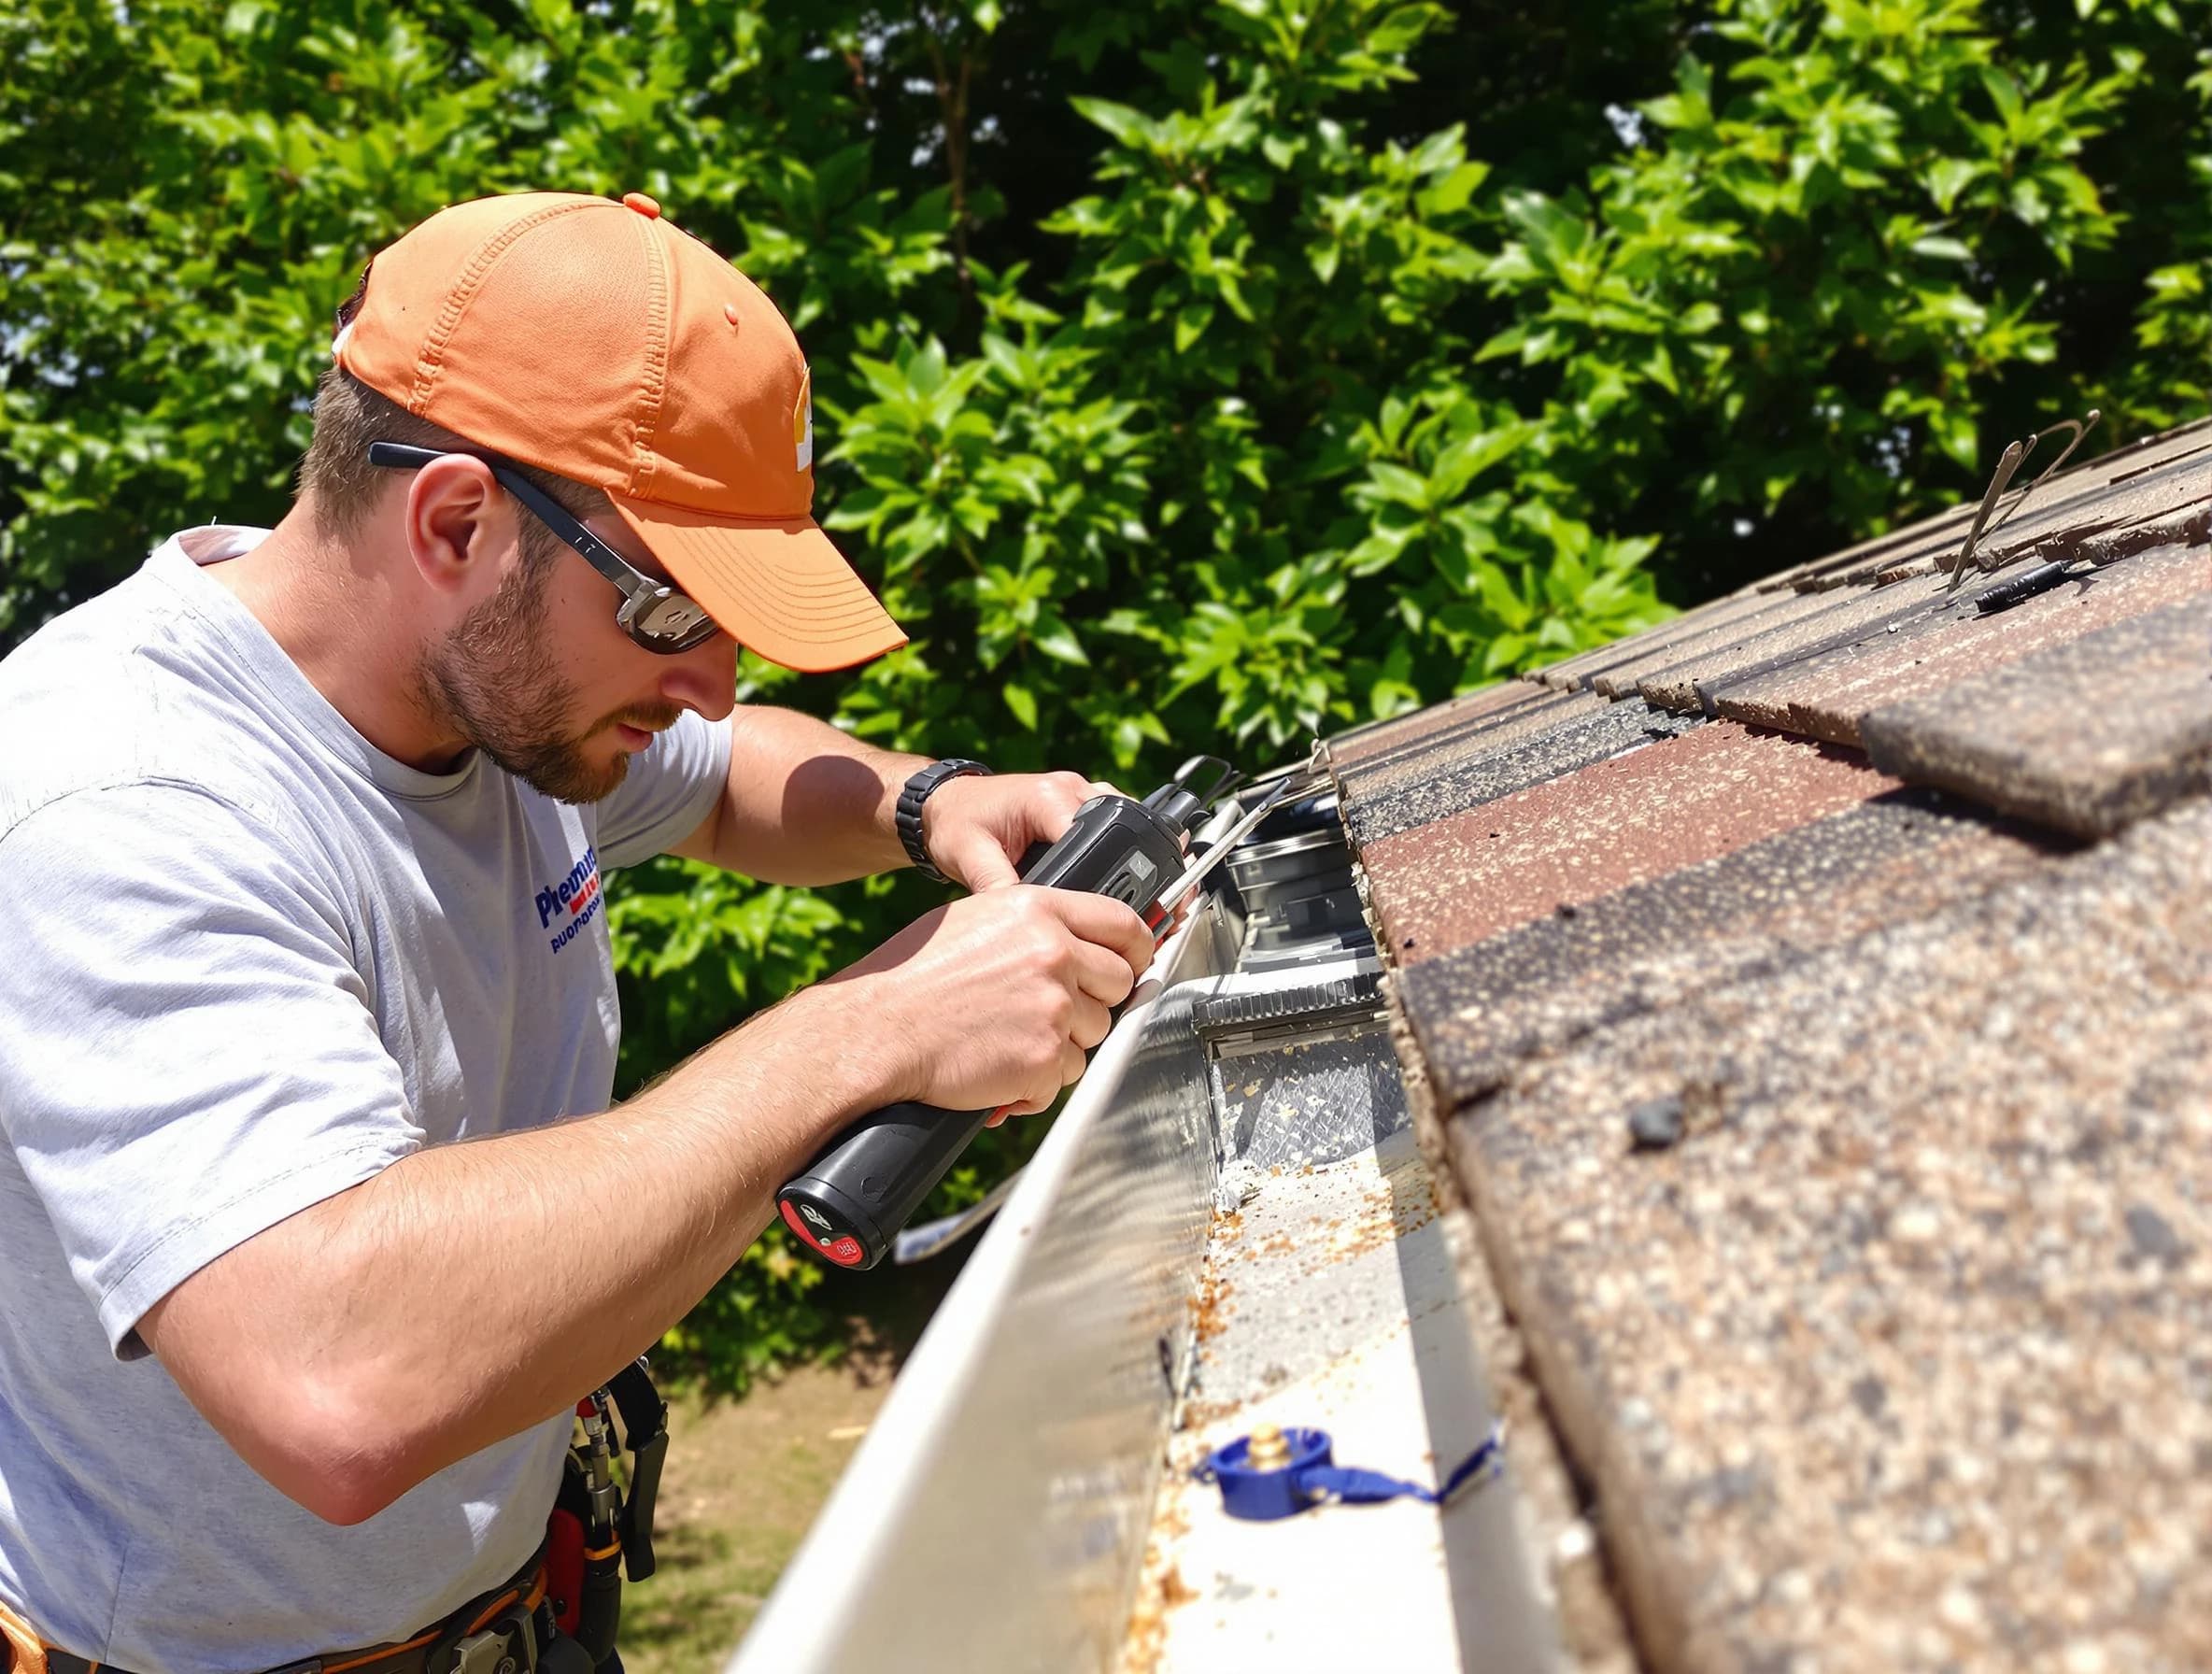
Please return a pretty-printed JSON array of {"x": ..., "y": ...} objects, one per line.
[{"x": 492, "y": 679}]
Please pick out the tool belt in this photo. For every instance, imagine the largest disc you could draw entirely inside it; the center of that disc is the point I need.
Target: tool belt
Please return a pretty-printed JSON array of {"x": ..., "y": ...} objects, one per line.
[{"x": 557, "y": 1615}]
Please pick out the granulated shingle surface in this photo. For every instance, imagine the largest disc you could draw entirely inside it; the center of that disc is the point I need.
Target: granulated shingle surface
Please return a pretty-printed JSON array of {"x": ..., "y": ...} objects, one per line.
[
  {"x": 1915, "y": 542},
  {"x": 2088, "y": 736},
  {"x": 1899, "y": 1358},
  {"x": 1489, "y": 767},
  {"x": 2113, "y": 492},
  {"x": 1778, "y": 610},
  {"x": 1577, "y": 672},
  {"x": 1844, "y": 616},
  {"x": 1602, "y": 828},
  {"x": 1843, "y": 1148},
  {"x": 1383, "y": 771},
  {"x": 1378, "y": 737},
  {"x": 1541, "y": 985},
  {"x": 1824, "y": 697}
]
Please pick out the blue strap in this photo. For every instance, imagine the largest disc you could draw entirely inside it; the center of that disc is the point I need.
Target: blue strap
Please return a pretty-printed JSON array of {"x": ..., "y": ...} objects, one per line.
[{"x": 1371, "y": 1487}]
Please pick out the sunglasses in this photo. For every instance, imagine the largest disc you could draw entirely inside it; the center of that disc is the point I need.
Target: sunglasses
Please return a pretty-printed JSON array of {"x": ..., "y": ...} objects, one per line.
[{"x": 652, "y": 613}]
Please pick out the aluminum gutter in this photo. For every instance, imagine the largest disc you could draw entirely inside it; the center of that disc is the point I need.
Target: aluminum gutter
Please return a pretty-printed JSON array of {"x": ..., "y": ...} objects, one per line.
[
  {"x": 1025, "y": 1501},
  {"x": 994, "y": 1515}
]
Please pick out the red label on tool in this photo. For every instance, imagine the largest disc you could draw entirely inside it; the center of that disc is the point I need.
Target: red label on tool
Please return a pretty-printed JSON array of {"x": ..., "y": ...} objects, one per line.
[{"x": 843, "y": 1250}]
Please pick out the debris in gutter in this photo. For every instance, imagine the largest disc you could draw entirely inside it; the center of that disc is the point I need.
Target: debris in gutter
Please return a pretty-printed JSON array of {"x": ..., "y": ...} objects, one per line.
[{"x": 1239, "y": 1184}]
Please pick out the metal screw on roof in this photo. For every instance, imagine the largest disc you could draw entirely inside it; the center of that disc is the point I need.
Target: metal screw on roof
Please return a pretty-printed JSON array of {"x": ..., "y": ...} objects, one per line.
[
  {"x": 2040, "y": 579},
  {"x": 1656, "y": 1123}
]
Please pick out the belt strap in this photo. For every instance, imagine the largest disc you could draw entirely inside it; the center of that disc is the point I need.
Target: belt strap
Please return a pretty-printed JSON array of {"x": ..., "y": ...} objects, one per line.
[{"x": 519, "y": 1596}]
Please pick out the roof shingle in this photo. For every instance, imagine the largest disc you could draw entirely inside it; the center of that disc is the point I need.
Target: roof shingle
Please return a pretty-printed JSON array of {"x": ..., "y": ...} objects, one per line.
[{"x": 1894, "y": 1357}]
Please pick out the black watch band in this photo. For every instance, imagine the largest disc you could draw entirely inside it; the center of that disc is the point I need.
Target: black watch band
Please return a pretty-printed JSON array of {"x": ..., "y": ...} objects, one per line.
[{"x": 913, "y": 794}]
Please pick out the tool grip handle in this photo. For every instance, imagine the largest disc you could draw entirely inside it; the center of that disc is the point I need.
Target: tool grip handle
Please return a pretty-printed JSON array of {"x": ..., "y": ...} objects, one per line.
[{"x": 852, "y": 1200}]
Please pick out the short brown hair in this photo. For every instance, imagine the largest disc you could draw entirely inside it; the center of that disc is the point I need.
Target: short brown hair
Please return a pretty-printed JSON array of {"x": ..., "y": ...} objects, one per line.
[{"x": 348, "y": 416}]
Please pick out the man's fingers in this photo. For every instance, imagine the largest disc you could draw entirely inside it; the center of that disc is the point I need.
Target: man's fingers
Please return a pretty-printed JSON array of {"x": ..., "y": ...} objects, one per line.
[
  {"x": 1104, "y": 922},
  {"x": 982, "y": 864},
  {"x": 1091, "y": 1022},
  {"x": 1103, "y": 974},
  {"x": 1054, "y": 802}
]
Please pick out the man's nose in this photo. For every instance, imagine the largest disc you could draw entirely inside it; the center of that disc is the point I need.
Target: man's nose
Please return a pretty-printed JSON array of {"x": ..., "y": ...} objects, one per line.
[{"x": 703, "y": 678}]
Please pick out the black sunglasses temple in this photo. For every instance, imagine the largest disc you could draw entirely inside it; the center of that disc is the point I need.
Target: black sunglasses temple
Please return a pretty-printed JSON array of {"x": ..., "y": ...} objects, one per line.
[{"x": 549, "y": 511}]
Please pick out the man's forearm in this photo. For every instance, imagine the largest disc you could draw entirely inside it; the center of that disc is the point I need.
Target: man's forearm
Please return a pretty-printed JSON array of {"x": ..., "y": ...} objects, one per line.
[
  {"x": 472, "y": 1290},
  {"x": 806, "y": 803}
]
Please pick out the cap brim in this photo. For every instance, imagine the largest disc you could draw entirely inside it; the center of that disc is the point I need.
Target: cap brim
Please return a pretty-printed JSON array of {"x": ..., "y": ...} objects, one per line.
[{"x": 779, "y": 588}]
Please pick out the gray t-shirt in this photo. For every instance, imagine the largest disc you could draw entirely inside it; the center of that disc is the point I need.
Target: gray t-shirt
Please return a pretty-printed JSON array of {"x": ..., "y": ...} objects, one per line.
[{"x": 250, "y": 961}]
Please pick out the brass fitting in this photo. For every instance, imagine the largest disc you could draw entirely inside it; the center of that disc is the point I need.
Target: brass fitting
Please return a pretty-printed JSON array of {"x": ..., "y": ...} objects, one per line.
[{"x": 1270, "y": 1449}]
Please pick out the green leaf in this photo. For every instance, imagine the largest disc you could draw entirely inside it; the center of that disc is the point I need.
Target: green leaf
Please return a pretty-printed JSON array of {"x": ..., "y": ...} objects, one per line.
[
  {"x": 1191, "y": 322},
  {"x": 1056, "y": 639},
  {"x": 1947, "y": 176},
  {"x": 2004, "y": 93},
  {"x": 1395, "y": 483},
  {"x": 1468, "y": 458},
  {"x": 1022, "y": 702},
  {"x": 1129, "y": 126}
]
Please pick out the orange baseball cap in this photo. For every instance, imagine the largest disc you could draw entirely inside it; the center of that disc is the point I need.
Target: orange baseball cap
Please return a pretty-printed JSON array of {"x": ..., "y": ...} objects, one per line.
[{"x": 595, "y": 340}]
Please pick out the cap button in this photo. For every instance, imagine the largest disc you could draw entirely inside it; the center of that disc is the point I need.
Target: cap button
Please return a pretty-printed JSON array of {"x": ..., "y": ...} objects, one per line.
[{"x": 642, "y": 203}]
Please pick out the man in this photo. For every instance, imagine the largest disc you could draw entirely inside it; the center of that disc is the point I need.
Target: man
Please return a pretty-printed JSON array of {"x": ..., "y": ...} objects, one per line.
[{"x": 303, "y": 835}]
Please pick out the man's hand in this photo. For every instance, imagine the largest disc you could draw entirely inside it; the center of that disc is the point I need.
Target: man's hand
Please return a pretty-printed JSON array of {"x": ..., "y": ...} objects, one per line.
[
  {"x": 994, "y": 1000},
  {"x": 977, "y": 829}
]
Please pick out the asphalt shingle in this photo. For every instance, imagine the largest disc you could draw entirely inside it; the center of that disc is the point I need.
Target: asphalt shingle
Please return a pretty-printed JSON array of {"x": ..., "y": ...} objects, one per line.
[
  {"x": 2088, "y": 736},
  {"x": 1482, "y": 768},
  {"x": 1576, "y": 673},
  {"x": 1824, "y": 697},
  {"x": 1841, "y": 1144},
  {"x": 1776, "y": 610},
  {"x": 1548, "y": 982},
  {"x": 1601, "y": 827},
  {"x": 1380, "y": 771},
  {"x": 1379, "y": 737},
  {"x": 1897, "y": 1358},
  {"x": 1845, "y": 615}
]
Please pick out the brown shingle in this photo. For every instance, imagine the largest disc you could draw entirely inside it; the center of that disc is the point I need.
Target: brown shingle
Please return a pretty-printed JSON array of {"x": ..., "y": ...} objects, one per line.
[
  {"x": 1825, "y": 696},
  {"x": 1896, "y": 1359},
  {"x": 1846, "y": 614},
  {"x": 1490, "y": 765},
  {"x": 1573, "y": 838},
  {"x": 1546, "y": 982},
  {"x": 2088, "y": 736},
  {"x": 1380, "y": 771},
  {"x": 1893, "y": 1355},
  {"x": 1576, "y": 673},
  {"x": 1361, "y": 742},
  {"x": 1648, "y": 655}
]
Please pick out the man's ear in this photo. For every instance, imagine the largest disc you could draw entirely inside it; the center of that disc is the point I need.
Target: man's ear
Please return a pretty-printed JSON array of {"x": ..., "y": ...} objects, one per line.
[{"x": 460, "y": 527}]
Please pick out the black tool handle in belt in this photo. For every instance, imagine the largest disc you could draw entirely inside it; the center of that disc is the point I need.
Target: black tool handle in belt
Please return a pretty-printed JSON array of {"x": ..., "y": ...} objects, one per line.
[{"x": 852, "y": 1200}]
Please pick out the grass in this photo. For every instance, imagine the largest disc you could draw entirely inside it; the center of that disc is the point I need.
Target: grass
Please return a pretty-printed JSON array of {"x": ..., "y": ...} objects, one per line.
[
  {"x": 744, "y": 1478},
  {"x": 743, "y": 1482}
]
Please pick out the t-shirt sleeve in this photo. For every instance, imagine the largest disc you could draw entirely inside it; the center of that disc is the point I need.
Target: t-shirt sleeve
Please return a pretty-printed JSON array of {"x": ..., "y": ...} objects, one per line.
[
  {"x": 668, "y": 792},
  {"x": 188, "y": 1054}
]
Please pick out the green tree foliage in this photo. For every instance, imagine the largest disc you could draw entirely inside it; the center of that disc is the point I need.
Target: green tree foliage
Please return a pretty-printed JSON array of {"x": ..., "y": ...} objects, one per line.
[{"x": 1193, "y": 373}]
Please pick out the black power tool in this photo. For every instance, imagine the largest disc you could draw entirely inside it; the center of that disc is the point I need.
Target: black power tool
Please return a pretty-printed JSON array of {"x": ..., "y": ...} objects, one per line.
[{"x": 852, "y": 1200}]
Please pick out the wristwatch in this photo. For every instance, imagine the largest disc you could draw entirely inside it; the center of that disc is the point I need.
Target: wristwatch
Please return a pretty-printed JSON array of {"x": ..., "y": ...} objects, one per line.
[{"x": 913, "y": 794}]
